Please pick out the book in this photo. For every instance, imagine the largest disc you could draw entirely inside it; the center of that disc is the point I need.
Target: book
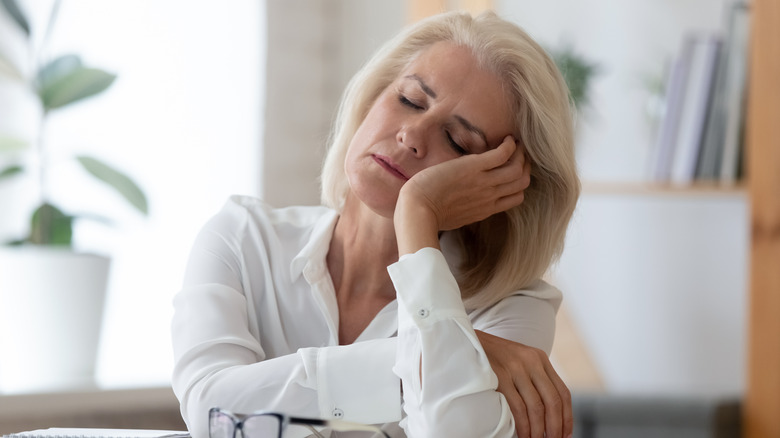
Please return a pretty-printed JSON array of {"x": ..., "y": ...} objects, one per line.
[
  {"x": 727, "y": 107},
  {"x": 667, "y": 135},
  {"x": 60, "y": 432},
  {"x": 704, "y": 50},
  {"x": 733, "y": 138}
]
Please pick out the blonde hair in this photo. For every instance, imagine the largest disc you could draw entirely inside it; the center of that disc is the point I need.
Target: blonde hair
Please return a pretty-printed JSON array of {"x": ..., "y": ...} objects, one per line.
[{"x": 507, "y": 251}]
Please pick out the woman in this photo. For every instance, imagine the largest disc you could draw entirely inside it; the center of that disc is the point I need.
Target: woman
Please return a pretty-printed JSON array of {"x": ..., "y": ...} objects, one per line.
[{"x": 412, "y": 299}]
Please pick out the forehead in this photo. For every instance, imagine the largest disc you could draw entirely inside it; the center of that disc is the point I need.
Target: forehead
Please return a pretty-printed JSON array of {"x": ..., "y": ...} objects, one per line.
[{"x": 454, "y": 75}]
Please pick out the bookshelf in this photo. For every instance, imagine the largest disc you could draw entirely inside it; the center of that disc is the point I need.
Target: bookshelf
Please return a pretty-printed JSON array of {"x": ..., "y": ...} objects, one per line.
[
  {"x": 762, "y": 190},
  {"x": 663, "y": 189},
  {"x": 762, "y": 398}
]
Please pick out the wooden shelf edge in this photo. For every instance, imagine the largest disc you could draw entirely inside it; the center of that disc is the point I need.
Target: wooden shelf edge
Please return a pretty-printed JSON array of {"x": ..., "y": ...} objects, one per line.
[{"x": 664, "y": 189}]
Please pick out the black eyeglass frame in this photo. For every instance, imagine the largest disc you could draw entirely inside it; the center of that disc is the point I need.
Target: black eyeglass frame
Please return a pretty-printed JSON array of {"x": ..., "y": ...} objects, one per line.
[{"x": 286, "y": 420}]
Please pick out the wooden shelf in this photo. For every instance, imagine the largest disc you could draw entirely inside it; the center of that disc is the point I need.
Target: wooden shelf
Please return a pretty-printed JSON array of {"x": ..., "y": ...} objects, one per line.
[{"x": 661, "y": 189}]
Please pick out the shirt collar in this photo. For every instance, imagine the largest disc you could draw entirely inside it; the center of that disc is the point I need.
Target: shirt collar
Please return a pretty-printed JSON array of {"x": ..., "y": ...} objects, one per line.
[{"x": 316, "y": 248}]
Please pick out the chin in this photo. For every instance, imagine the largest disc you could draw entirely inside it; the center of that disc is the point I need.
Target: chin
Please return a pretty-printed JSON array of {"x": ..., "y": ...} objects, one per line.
[
  {"x": 381, "y": 205},
  {"x": 373, "y": 188},
  {"x": 383, "y": 210},
  {"x": 380, "y": 202}
]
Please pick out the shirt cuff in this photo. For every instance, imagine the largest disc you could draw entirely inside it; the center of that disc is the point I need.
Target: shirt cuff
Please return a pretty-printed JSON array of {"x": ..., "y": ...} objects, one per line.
[
  {"x": 356, "y": 382},
  {"x": 426, "y": 289}
]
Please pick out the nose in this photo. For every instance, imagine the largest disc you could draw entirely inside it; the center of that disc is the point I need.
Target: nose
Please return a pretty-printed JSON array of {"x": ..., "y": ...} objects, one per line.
[{"x": 413, "y": 136}]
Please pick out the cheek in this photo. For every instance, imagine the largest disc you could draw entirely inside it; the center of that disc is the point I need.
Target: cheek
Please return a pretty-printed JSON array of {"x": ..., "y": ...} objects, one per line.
[
  {"x": 440, "y": 154},
  {"x": 380, "y": 120},
  {"x": 373, "y": 129},
  {"x": 358, "y": 152}
]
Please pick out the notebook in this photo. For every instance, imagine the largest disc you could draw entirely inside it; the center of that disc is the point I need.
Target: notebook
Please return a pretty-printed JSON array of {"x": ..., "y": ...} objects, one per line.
[{"x": 59, "y": 432}]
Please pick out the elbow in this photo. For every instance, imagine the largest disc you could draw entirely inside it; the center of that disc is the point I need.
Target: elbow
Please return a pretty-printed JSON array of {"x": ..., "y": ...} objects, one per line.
[
  {"x": 484, "y": 415},
  {"x": 194, "y": 406}
]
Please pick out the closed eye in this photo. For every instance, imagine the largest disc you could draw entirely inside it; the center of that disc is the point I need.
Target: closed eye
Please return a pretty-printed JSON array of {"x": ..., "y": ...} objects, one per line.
[
  {"x": 455, "y": 146},
  {"x": 406, "y": 102}
]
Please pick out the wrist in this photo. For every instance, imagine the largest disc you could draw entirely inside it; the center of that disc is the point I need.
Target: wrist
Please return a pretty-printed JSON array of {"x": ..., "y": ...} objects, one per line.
[{"x": 416, "y": 225}]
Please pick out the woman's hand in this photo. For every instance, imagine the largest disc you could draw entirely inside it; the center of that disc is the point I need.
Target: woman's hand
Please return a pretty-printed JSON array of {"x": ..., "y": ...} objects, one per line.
[
  {"x": 539, "y": 400},
  {"x": 459, "y": 192},
  {"x": 471, "y": 188}
]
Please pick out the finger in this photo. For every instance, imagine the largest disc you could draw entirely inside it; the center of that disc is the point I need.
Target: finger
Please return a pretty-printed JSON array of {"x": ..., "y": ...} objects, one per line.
[
  {"x": 553, "y": 404},
  {"x": 500, "y": 155},
  {"x": 519, "y": 155},
  {"x": 508, "y": 202},
  {"x": 508, "y": 180},
  {"x": 510, "y": 187},
  {"x": 512, "y": 179},
  {"x": 518, "y": 166},
  {"x": 565, "y": 394},
  {"x": 519, "y": 411},
  {"x": 511, "y": 194},
  {"x": 527, "y": 167},
  {"x": 533, "y": 402}
]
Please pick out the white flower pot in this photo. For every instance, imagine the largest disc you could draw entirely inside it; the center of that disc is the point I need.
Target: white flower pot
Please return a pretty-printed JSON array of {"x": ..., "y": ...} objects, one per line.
[{"x": 51, "y": 311}]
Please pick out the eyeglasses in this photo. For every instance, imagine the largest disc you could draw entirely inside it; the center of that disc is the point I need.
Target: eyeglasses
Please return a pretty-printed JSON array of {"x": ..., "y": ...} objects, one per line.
[{"x": 265, "y": 424}]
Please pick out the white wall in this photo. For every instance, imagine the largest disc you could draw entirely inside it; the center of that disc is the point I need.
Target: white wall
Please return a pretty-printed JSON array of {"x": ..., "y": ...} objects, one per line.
[
  {"x": 656, "y": 283},
  {"x": 630, "y": 41},
  {"x": 652, "y": 282},
  {"x": 314, "y": 49},
  {"x": 184, "y": 119}
]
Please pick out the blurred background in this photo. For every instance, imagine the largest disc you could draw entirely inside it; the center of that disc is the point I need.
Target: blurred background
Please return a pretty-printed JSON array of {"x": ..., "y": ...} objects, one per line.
[{"x": 218, "y": 98}]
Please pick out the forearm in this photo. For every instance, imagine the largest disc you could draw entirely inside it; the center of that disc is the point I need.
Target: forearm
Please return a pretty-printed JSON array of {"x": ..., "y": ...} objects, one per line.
[
  {"x": 416, "y": 226},
  {"x": 219, "y": 363},
  {"x": 447, "y": 379}
]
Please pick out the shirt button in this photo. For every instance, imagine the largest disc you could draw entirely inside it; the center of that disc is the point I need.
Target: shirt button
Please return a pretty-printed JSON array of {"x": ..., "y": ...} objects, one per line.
[
  {"x": 337, "y": 413},
  {"x": 423, "y": 313}
]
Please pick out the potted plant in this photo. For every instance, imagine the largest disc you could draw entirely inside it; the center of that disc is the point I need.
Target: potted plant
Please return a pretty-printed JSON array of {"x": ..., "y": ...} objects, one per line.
[
  {"x": 578, "y": 73},
  {"x": 52, "y": 295}
]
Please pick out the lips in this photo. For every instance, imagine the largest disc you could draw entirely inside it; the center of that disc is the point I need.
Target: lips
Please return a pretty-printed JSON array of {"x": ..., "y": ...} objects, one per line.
[{"x": 389, "y": 166}]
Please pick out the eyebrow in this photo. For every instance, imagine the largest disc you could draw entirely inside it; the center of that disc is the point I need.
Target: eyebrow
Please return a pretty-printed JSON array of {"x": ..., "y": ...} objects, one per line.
[
  {"x": 426, "y": 89},
  {"x": 471, "y": 128},
  {"x": 466, "y": 124}
]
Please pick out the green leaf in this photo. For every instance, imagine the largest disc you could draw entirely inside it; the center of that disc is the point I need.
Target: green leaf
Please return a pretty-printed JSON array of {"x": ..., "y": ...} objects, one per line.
[
  {"x": 74, "y": 86},
  {"x": 10, "y": 171},
  {"x": 13, "y": 10},
  {"x": 119, "y": 181},
  {"x": 577, "y": 72},
  {"x": 96, "y": 218},
  {"x": 57, "y": 69},
  {"x": 50, "y": 226},
  {"x": 11, "y": 144}
]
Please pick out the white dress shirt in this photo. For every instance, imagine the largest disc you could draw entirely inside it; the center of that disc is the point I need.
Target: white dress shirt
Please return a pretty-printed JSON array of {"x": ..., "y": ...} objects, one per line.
[{"x": 255, "y": 327}]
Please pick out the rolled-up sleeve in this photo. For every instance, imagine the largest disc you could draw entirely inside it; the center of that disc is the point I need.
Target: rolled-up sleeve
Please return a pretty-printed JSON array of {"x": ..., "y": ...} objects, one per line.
[
  {"x": 445, "y": 374},
  {"x": 220, "y": 358},
  {"x": 218, "y": 363}
]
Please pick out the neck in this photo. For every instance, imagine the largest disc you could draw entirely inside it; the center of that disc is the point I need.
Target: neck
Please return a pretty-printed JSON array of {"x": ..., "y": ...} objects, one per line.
[{"x": 362, "y": 247}]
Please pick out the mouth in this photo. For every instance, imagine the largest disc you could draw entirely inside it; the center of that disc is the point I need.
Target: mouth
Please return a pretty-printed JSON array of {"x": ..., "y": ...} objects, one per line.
[{"x": 389, "y": 166}]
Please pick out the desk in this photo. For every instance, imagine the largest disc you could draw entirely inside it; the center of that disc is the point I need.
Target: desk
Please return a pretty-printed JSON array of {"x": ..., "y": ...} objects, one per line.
[{"x": 147, "y": 408}]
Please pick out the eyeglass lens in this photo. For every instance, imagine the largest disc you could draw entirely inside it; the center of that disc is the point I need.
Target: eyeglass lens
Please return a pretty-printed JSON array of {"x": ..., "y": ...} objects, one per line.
[
  {"x": 222, "y": 425},
  {"x": 261, "y": 426}
]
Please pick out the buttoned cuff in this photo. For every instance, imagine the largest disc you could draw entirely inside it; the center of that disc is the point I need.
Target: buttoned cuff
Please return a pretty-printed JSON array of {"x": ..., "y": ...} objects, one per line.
[
  {"x": 356, "y": 382},
  {"x": 426, "y": 289}
]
